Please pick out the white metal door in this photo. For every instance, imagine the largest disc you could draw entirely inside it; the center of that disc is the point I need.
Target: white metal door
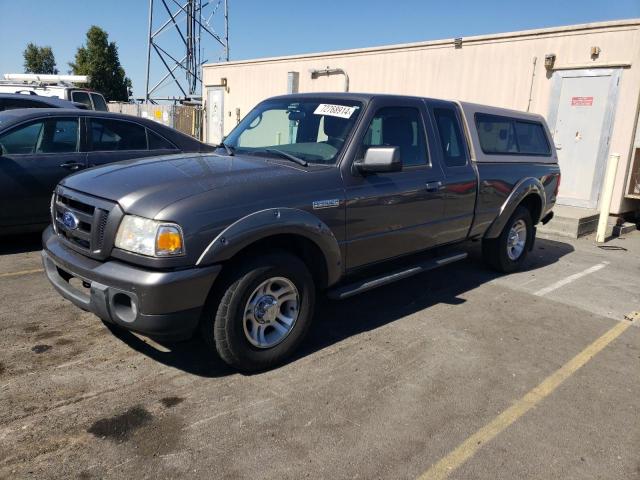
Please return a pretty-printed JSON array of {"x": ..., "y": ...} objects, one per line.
[
  {"x": 215, "y": 115},
  {"x": 584, "y": 104}
]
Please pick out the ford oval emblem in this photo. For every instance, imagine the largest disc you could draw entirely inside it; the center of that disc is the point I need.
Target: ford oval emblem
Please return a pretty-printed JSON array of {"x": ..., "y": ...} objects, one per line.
[{"x": 70, "y": 221}]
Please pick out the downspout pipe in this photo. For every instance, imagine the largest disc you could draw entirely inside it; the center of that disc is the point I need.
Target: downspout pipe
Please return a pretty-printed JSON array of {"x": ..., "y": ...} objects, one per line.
[
  {"x": 331, "y": 71},
  {"x": 533, "y": 76}
]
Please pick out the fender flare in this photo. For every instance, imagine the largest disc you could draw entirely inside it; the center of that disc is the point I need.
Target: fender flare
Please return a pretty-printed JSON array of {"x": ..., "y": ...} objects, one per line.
[
  {"x": 522, "y": 189},
  {"x": 275, "y": 221}
]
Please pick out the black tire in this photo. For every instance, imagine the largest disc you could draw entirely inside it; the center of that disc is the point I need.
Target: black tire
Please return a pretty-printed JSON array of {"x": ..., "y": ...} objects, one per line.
[
  {"x": 494, "y": 251},
  {"x": 222, "y": 325}
]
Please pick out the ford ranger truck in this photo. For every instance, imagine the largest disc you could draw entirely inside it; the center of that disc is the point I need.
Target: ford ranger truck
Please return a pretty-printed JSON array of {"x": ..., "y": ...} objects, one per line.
[{"x": 333, "y": 193}]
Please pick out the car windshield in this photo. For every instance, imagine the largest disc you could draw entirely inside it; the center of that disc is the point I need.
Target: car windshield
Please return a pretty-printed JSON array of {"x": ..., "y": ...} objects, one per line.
[{"x": 312, "y": 130}]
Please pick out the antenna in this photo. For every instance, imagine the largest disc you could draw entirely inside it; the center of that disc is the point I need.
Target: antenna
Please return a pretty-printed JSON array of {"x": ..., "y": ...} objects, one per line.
[{"x": 182, "y": 33}]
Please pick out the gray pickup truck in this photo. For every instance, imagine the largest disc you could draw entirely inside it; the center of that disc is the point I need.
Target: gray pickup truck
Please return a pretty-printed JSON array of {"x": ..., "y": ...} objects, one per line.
[{"x": 338, "y": 193}]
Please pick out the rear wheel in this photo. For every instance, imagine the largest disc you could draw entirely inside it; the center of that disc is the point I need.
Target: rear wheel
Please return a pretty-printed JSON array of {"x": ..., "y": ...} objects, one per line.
[
  {"x": 507, "y": 252},
  {"x": 262, "y": 313}
]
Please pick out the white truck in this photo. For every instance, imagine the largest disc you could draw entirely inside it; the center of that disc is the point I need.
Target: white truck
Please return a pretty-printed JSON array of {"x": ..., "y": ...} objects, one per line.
[{"x": 61, "y": 86}]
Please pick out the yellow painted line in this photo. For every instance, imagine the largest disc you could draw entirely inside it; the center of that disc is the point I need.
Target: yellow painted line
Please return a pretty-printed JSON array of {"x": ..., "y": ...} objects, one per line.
[
  {"x": 471, "y": 445},
  {"x": 21, "y": 272}
]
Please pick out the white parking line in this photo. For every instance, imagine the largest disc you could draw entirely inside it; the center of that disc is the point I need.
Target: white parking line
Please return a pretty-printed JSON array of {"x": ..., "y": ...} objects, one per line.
[{"x": 570, "y": 278}]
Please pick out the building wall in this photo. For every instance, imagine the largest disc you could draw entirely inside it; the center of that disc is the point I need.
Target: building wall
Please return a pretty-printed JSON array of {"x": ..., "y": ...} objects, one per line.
[{"x": 495, "y": 70}]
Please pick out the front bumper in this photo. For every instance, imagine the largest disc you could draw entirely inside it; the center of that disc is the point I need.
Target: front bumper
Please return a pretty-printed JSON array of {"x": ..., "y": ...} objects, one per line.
[{"x": 160, "y": 304}]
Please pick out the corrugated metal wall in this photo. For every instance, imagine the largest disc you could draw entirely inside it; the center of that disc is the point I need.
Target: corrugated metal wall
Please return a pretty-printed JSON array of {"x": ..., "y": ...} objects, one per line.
[{"x": 185, "y": 118}]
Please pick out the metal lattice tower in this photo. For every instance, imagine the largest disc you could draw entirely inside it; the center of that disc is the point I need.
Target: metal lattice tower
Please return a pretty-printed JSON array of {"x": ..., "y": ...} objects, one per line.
[{"x": 183, "y": 35}]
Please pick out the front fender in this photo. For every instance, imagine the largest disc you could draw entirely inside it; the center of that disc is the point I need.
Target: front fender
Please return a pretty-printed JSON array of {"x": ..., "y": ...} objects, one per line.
[
  {"x": 275, "y": 221},
  {"x": 522, "y": 189}
]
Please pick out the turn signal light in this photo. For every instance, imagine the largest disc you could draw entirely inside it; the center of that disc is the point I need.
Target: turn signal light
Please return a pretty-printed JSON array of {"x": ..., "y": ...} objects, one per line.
[{"x": 168, "y": 241}]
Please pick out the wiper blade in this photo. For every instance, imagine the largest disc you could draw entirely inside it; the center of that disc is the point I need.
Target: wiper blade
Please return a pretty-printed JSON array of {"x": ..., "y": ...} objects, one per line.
[
  {"x": 229, "y": 150},
  {"x": 288, "y": 156}
]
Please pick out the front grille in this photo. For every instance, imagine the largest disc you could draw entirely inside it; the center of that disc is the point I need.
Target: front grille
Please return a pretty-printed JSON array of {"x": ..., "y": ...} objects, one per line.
[
  {"x": 87, "y": 221},
  {"x": 103, "y": 215}
]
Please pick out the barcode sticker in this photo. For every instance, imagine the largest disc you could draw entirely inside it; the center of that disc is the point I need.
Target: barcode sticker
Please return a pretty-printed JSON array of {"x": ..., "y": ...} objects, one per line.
[{"x": 335, "y": 110}]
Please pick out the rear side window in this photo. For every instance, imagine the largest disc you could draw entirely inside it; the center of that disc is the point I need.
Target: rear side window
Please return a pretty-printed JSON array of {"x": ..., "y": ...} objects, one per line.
[
  {"x": 156, "y": 142},
  {"x": 110, "y": 135},
  {"x": 531, "y": 138},
  {"x": 59, "y": 136},
  {"x": 453, "y": 147},
  {"x": 98, "y": 102},
  {"x": 506, "y": 135},
  {"x": 82, "y": 97}
]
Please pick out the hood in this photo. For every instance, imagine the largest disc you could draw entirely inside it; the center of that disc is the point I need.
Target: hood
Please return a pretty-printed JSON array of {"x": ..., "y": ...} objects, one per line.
[{"x": 145, "y": 186}]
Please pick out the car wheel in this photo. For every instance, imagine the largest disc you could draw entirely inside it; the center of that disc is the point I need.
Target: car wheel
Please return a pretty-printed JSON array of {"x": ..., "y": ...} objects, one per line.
[
  {"x": 507, "y": 252},
  {"x": 262, "y": 312}
]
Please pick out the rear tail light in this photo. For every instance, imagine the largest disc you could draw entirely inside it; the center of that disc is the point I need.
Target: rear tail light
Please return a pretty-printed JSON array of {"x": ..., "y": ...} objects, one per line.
[{"x": 555, "y": 193}]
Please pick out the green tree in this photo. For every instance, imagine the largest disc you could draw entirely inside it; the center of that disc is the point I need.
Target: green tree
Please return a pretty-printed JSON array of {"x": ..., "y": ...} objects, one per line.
[
  {"x": 39, "y": 59},
  {"x": 99, "y": 59}
]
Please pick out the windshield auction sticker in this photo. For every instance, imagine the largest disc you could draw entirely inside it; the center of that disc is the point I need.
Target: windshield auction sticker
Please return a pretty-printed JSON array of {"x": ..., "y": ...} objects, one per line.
[{"x": 335, "y": 110}]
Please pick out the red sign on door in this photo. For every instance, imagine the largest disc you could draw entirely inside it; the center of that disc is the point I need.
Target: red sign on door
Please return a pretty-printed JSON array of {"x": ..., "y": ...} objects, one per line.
[{"x": 581, "y": 101}]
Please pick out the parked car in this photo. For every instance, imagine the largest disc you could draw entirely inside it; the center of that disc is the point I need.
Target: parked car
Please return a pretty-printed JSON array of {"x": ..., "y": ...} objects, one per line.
[
  {"x": 40, "y": 146},
  {"x": 333, "y": 192},
  {"x": 53, "y": 86},
  {"x": 12, "y": 101}
]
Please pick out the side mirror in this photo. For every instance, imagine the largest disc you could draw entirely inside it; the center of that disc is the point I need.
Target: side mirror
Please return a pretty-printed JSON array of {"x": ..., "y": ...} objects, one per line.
[{"x": 380, "y": 160}]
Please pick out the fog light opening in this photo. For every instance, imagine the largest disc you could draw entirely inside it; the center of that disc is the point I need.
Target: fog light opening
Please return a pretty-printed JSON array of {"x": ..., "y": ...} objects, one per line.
[{"x": 124, "y": 307}]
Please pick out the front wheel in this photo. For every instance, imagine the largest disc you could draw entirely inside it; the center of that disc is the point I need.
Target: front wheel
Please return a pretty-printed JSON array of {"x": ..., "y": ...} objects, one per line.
[
  {"x": 262, "y": 313},
  {"x": 509, "y": 251}
]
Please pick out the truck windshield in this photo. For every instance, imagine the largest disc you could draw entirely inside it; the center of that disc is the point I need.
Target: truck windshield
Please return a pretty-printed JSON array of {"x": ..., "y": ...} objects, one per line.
[{"x": 313, "y": 130}]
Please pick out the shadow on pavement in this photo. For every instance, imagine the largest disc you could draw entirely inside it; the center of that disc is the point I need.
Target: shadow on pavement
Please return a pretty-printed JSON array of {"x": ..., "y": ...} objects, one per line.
[
  {"x": 30, "y": 242},
  {"x": 338, "y": 320}
]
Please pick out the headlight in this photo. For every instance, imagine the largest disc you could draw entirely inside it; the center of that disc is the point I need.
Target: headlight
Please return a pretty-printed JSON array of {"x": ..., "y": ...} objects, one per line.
[{"x": 149, "y": 237}]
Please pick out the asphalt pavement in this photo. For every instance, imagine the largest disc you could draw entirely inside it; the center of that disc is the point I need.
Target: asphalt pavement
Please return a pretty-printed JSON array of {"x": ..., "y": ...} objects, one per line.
[{"x": 457, "y": 373}]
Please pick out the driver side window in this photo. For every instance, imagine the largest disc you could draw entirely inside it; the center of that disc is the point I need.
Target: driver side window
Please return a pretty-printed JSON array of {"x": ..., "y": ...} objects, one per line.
[{"x": 398, "y": 127}]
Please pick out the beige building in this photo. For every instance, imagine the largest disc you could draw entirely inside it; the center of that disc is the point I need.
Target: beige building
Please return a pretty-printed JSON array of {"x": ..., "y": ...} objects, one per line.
[{"x": 585, "y": 79}]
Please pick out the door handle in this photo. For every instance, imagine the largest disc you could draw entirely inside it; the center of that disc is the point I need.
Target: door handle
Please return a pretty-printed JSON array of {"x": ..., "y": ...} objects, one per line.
[
  {"x": 73, "y": 166},
  {"x": 434, "y": 186}
]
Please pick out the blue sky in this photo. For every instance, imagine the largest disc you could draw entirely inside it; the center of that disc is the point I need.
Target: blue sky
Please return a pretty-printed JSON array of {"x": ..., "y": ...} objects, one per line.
[{"x": 282, "y": 27}]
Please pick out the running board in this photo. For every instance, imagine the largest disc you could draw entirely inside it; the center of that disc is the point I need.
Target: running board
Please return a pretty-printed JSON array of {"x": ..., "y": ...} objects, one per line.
[{"x": 360, "y": 286}]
